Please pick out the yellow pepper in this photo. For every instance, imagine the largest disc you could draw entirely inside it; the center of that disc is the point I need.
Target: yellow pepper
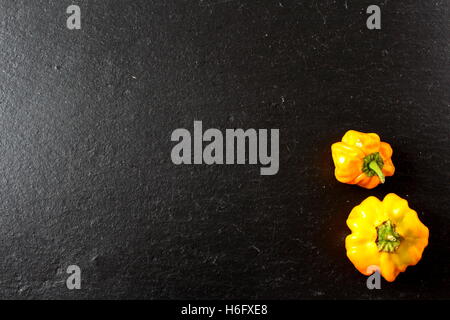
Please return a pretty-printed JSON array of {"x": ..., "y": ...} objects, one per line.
[
  {"x": 362, "y": 159},
  {"x": 386, "y": 236}
]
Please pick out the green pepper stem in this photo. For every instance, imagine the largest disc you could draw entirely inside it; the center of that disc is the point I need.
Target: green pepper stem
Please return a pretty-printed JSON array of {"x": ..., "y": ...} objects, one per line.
[
  {"x": 374, "y": 166},
  {"x": 388, "y": 240}
]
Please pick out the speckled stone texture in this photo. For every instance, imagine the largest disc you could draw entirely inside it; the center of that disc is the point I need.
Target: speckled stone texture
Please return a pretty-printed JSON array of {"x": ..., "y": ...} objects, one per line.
[{"x": 86, "y": 117}]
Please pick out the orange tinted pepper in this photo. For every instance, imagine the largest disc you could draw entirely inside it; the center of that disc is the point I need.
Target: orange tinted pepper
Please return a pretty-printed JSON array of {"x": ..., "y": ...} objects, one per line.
[
  {"x": 386, "y": 236},
  {"x": 362, "y": 159}
]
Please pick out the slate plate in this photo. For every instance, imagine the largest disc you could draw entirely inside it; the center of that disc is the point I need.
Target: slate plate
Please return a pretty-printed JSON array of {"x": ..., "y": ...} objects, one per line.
[{"x": 86, "y": 118}]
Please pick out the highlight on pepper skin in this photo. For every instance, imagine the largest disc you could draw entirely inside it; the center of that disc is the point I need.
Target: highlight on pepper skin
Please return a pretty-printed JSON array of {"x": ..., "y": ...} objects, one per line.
[
  {"x": 362, "y": 159},
  {"x": 387, "y": 234}
]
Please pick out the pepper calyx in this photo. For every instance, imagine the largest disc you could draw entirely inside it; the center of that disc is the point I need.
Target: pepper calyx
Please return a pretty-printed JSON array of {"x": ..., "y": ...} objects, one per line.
[
  {"x": 372, "y": 165},
  {"x": 388, "y": 240}
]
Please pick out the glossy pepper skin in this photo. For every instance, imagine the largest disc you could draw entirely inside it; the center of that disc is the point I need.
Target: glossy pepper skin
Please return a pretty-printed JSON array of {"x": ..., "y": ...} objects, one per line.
[
  {"x": 362, "y": 159},
  {"x": 386, "y": 236}
]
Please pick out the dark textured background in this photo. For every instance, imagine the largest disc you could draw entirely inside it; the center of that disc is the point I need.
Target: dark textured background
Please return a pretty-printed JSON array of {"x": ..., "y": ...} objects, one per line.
[{"x": 85, "y": 124}]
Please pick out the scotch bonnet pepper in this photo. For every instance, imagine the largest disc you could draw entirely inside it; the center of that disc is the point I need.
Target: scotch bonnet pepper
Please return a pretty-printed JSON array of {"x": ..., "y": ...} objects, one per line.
[
  {"x": 386, "y": 236},
  {"x": 362, "y": 159}
]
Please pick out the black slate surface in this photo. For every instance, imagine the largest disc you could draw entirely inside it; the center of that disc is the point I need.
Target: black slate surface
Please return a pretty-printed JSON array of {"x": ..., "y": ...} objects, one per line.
[{"x": 85, "y": 124}]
